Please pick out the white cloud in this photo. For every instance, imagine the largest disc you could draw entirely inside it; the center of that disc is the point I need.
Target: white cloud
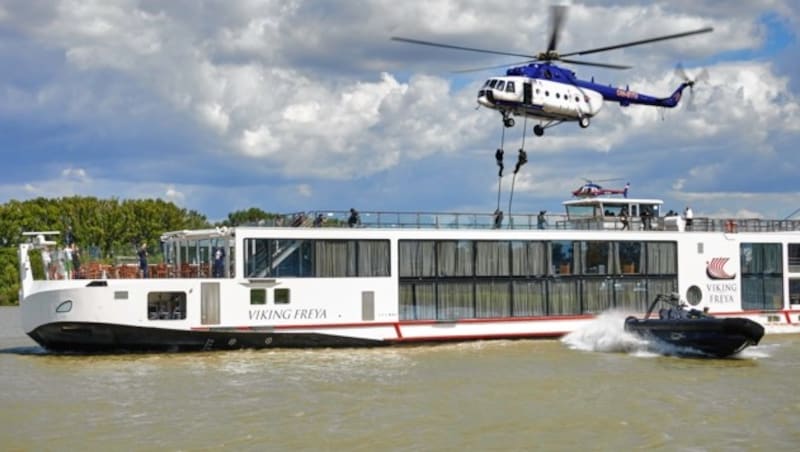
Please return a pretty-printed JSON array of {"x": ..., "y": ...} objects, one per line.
[{"x": 288, "y": 88}]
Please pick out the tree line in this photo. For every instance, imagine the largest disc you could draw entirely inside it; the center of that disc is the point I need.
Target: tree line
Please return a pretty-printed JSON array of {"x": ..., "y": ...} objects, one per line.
[{"x": 102, "y": 228}]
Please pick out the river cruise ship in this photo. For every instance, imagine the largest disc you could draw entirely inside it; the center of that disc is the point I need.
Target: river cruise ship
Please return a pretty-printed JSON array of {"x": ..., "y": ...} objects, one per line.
[{"x": 401, "y": 278}]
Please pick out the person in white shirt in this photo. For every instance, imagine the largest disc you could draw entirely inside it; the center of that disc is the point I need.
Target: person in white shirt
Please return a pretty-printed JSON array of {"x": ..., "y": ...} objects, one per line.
[{"x": 688, "y": 216}]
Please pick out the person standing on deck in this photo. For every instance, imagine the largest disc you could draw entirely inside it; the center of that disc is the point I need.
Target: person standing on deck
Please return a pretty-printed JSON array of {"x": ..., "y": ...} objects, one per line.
[
  {"x": 355, "y": 218},
  {"x": 219, "y": 262},
  {"x": 143, "y": 260},
  {"x": 688, "y": 215},
  {"x": 541, "y": 220}
]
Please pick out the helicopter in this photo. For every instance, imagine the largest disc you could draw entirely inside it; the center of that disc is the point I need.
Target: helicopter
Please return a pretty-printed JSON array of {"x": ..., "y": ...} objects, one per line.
[
  {"x": 551, "y": 94},
  {"x": 591, "y": 189}
]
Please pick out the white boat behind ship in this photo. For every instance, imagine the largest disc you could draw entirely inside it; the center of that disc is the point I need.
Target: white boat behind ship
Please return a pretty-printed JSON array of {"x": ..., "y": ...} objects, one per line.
[{"x": 402, "y": 278}]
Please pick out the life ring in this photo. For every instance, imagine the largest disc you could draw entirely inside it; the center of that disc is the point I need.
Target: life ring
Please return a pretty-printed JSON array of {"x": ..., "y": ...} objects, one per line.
[{"x": 730, "y": 226}]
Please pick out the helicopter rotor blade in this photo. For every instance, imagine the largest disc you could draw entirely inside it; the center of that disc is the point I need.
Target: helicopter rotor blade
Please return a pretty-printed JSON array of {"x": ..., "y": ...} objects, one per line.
[
  {"x": 703, "y": 76},
  {"x": 557, "y": 15},
  {"x": 641, "y": 41},
  {"x": 469, "y": 49},
  {"x": 588, "y": 63},
  {"x": 486, "y": 68},
  {"x": 681, "y": 72}
]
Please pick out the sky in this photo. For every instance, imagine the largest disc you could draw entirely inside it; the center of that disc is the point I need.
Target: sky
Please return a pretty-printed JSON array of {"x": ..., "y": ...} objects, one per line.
[{"x": 292, "y": 105}]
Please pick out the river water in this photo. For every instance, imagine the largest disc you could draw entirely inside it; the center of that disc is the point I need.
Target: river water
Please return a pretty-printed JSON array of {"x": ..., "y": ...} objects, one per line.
[{"x": 597, "y": 390}]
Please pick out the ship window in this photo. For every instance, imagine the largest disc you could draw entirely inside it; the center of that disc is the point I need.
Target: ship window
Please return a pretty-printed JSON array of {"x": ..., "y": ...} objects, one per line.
[
  {"x": 596, "y": 258},
  {"x": 510, "y": 87},
  {"x": 630, "y": 257},
  {"x": 528, "y": 258},
  {"x": 562, "y": 253},
  {"x": 166, "y": 305},
  {"x": 794, "y": 291},
  {"x": 491, "y": 258},
  {"x": 455, "y": 258},
  {"x": 282, "y": 296},
  {"x": 456, "y": 301},
  {"x": 268, "y": 258},
  {"x": 500, "y": 85},
  {"x": 762, "y": 275},
  {"x": 258, "y": 296},
  {"x": 662, "y": 258},
  {"x": 417, "y": 258},
  {"x": 794, "y": 257},
  {"x": 694, "y": 295}
]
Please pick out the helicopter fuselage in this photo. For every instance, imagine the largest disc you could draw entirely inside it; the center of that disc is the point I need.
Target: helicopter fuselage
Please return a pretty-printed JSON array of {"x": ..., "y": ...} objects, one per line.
[{"x": 550, "y": 93}]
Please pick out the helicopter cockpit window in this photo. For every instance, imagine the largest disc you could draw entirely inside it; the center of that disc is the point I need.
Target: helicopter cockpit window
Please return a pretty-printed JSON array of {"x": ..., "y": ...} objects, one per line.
[
  {"x": 492, "y": 83},
  {"x": 510, "y": 87},
  {"x": 500, "y": 85},
  {"x": 486, "y": 83}
]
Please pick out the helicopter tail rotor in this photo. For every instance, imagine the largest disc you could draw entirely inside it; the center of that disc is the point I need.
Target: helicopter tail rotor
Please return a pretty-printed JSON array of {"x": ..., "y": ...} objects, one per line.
[{"x": 702, "y": 76}]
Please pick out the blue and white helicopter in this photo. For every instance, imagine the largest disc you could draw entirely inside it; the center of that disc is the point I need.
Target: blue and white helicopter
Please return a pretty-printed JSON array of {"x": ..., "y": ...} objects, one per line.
[{"x": 551, "y": 94}]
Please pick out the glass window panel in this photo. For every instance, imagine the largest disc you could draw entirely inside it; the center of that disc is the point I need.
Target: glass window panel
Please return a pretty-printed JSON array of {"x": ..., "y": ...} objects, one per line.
[
  {"x": 662, "y": 258},
  {"x": 597, "y": 258},
  {"x": 456, "y": 301},
  {"x": 455, "y": 258},
  {"x": 598, "y": 295},
  {"x": 561, "y": 256},
  {"x": 417, "y": 258},
  {"x": 529, "y": 298},
  {"x": 425, "y": 301},
  {"x": 794, "y": 257},
  {"x": 492, "y": 299},
  {"x": 564, "y": 297},
  {"x": 373, "y": 258},
  {"x": 631, "y": 295},
  {"x": 407, "y": 311},
  {"x": 491, "y": 258},
  {"x": 631, "y": 258}
]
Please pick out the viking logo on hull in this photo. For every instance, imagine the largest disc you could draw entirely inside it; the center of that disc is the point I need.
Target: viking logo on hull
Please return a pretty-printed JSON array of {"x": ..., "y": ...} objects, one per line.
[{"x": 716, "y": 269}]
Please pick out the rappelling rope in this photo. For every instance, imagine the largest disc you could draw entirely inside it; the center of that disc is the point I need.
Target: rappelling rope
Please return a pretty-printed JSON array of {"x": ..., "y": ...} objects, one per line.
[
  {"x": 498, "y": 155},
  {"x": 522, "y": 158}
]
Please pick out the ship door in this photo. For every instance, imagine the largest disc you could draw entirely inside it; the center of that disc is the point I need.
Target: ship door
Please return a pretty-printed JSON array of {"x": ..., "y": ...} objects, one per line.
[
  {"x": 527, "y": 94},
  {"x": 209, "y": 303}
]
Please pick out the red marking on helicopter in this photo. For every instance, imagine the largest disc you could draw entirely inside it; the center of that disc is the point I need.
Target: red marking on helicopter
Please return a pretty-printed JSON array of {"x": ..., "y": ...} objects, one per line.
[{"x": 627, "y": 94}]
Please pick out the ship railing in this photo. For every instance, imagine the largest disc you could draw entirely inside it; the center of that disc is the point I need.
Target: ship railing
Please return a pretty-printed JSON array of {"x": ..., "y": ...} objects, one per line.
[{"x": 522, "y": 221}]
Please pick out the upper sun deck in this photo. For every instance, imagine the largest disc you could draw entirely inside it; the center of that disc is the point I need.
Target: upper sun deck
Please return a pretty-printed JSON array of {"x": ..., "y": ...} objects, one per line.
[{"x": 599, "y": 213}]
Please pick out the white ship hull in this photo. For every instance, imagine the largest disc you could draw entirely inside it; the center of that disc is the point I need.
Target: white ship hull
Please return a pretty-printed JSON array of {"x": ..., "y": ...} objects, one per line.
[{"x": 254, "y": 305}]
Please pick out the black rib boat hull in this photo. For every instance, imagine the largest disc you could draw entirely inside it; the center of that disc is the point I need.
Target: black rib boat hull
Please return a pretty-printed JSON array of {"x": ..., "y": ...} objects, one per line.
[{"x": 710, "y": 336}]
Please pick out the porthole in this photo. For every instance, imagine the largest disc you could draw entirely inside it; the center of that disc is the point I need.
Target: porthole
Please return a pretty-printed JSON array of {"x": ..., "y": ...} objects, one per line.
[
  {"x": 694, "y": 295},
  {"x": 64, "y": 307}
]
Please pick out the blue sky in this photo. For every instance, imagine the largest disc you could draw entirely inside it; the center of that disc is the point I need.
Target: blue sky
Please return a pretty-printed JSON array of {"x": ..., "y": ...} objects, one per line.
[{"x": 307, "y": 105}]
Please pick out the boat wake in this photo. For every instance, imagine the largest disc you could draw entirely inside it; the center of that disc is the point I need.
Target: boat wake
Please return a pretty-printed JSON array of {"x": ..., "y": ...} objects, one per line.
[{"x": 606, "y": 334}]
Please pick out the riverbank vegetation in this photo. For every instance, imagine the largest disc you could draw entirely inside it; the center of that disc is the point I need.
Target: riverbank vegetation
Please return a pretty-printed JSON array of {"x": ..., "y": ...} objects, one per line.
[{"x": 104, "y": 229}]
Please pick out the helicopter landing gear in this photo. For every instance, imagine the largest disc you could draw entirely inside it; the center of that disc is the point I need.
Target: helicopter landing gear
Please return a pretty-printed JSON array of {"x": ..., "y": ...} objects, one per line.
[
  {"x": 583, "y": 122},
  {"x": 508, "y": 121},
  {"x": 538, "y": 130}
]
